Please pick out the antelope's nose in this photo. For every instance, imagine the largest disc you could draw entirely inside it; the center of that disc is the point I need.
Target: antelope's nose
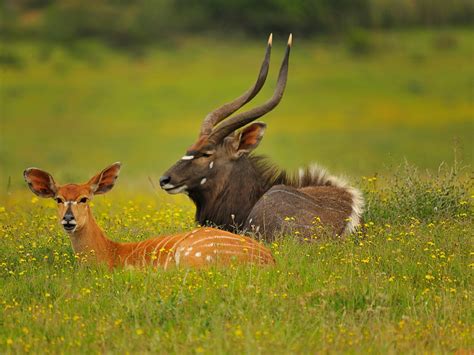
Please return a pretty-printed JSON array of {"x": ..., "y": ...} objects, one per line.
[
  {"x": 164, "y": 180},
  {"x": 68, "y": 217},
  {"x": 68, "y": 222}
]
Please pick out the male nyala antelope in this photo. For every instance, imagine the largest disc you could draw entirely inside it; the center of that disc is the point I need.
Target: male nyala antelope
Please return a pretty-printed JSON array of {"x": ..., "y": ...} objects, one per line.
[
  {"x": 200, "y": 247},
  {"x": 235, "y": 190}
]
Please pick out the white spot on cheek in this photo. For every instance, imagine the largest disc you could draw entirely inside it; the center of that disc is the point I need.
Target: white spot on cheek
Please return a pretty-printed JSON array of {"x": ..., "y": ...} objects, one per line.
[
  {"x": 203, "y": 181},
  {"x": 187, "y": 157},
  {"x": 211, "y": 165},
  {"x": 198, "y": 254},
  {"x": 186, "y": 254}
]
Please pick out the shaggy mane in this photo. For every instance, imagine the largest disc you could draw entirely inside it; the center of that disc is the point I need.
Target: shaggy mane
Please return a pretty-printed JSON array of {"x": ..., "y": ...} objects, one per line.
[{"x": 313, "y": 175}]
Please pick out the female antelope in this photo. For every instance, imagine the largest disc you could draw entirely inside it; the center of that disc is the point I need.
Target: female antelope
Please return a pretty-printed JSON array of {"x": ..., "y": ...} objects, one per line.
[{"x": 200, "y": 247}]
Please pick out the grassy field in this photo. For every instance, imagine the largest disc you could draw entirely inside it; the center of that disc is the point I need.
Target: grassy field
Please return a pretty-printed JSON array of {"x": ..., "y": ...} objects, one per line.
[{"x": 404, "y": 286}]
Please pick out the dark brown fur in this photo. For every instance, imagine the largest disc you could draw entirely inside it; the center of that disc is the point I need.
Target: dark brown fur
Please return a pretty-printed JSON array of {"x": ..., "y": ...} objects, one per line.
[
  {"x": 234, "y": 190},
  {"x": 261, "y": 198}
]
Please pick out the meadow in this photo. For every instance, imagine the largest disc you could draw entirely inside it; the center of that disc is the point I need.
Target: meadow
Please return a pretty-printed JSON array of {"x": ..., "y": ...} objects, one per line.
[{"x": 395, "y": 117}]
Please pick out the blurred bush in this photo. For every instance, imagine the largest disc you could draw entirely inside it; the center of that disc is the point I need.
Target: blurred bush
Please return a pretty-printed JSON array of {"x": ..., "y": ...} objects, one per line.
[
  {"x": 360, "y": 42},
  {"x": 9, "y": 58},
  {"x": 126, "y": 22},
  {"x": 445, "y": 41}
]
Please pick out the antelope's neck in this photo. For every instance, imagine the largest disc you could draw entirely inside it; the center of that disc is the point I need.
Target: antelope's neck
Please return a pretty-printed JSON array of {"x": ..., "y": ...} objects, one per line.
[
  {"x": 92, "y": 243},
  {"x": 230, "y": 203}
]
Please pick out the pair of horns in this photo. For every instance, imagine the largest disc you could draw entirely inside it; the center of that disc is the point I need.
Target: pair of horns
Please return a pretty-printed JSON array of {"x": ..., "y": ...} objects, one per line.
[{"x": 216, "y": 134}]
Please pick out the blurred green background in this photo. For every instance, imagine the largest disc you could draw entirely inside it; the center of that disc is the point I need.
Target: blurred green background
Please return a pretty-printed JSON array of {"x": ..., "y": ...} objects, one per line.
[{"x": 371, "y": 82}]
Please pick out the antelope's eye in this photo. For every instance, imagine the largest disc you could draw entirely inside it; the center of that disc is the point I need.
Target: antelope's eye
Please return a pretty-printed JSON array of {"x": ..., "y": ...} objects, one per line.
[
  {"x": 205, "y": 155},
  {"x": 58, "y": 200},
  {"x": 83, "y": 200}
]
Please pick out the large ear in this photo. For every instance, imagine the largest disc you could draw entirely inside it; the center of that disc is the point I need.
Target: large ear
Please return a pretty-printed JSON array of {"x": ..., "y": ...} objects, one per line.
[
  {"x": 105, "y": 180},
  {"x": 40, "y": 182},
  {"x": 250, "y": 137}
]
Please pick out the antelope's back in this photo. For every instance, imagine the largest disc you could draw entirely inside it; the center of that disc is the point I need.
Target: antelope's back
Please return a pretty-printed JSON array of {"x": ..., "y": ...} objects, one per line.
[
  {"x": 199, "y": 248},
  {"x": 313, "y": 210},
  {"x": 210, "y": 246}
]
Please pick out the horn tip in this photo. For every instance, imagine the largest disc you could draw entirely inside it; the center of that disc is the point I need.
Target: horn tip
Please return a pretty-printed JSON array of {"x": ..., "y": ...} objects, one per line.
[
  {"x": 270, "y": 39},
  {"x": 290, "y": 40}
]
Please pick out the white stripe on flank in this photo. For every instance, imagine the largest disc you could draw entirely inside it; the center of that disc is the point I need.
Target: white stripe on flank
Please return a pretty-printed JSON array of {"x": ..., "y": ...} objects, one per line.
[
  {"x": 248, "y": 247},
  {"x": 167, "y": 257},
  {"x": 237, "y": 253},
  {"x": 178, "y": 250},
  {"x": 141, "y": 247},
  {"x": 144, "y": 247},
  {"x": 136, "y": 249},
  {"x": 218, "y": 237}
]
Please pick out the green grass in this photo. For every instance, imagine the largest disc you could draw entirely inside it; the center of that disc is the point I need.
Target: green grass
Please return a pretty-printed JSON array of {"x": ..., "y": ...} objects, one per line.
[{"x": 403, "y": 287}]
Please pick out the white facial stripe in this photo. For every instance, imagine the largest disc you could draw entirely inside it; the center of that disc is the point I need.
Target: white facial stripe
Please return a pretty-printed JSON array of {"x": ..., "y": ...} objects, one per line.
[
  {"x": 187, "y": 157},
  {"x": 203, "y": 181},
  {"x": 66, "y": 203},
  {"x": 211, "y": 165}
]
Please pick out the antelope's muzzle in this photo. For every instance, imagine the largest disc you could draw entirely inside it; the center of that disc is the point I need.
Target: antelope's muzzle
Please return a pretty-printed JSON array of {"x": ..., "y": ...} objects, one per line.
[
  {"x": 165, "y": 183},
  {"x": 69, "y": 222}
]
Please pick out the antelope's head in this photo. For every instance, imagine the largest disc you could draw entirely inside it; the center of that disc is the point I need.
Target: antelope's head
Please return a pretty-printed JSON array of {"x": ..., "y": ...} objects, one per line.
[
  {"x": 210, "y": 159},
  {"x": 72, "y": 199}
]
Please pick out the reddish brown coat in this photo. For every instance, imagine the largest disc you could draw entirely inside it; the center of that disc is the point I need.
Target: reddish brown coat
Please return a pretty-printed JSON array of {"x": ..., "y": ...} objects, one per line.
[{"x": 198, "y": 248}]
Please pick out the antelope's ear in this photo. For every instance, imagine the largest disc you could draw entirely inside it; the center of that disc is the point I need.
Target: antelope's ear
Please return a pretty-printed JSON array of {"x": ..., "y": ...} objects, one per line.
[
  {"x": 105, "y": 180},
  {"x": 250, "y": 137},
  {"x": 40, "y": 182}
]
